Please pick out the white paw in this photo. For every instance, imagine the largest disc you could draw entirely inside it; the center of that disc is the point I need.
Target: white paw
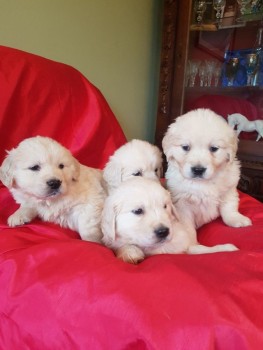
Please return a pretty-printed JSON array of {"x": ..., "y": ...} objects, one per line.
[
  {"x": 130, "y": 254},
  {"x": 22, "y": 216},
  {"x": 228, "y": 247},
  {"x": 17, "y": 219},
  {"x": 238, "y": 220}
]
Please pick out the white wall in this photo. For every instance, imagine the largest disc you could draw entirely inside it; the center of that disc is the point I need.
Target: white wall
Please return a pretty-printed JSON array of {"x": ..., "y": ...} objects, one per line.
[{"x": 114, "y": 43}]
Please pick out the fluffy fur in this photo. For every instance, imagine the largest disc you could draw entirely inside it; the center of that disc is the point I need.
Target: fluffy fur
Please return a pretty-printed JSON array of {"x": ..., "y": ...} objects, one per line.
[
  {"x": 139, "y": 220},
  {"x": 203, "y": 171},
  {"x": 48, "y": 182},
  {"x": 135, "y": 158}
]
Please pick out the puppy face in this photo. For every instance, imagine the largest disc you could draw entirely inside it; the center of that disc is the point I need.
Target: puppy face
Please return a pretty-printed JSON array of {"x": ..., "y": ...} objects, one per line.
[
  {"x": 40, "y": 168},
  {"x": 135, "y": 158},
  {"x": 139, "y": 212},
  {"x": 200, "y": 143}
]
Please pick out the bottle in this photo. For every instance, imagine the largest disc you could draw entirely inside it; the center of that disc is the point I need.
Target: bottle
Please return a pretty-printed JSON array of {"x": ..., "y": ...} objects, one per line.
[{"x": 258, "y": 78}]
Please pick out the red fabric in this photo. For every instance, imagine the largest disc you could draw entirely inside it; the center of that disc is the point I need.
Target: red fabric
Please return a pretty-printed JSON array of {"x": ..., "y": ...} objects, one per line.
[
  {"x": 42, "y": 97},
  {"x": 58, "y": 292},
  {"x": 225, "y": 105}
]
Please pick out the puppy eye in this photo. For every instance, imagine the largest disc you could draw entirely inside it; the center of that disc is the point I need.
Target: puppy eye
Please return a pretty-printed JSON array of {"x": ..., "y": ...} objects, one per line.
[
  {"x": 35, "y": 167},
  {"x": 186, "y": 148},
  {"x": 165, "y": 206},
  {"x": 61, "y": 166},
  {"x": 138, "y": 211},
  {"x": 138, "y": 173},
  {"x": 156, "y": 170},
  {"x": 213, "y": 149}
]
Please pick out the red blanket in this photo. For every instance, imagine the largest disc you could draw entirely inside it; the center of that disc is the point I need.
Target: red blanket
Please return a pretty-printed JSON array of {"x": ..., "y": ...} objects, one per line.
[{"x": 59, "y": 292}]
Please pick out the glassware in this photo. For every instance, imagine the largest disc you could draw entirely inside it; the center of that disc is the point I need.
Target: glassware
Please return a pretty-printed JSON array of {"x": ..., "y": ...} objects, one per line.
[
  {"x": 242, "y": 8},
  {"x": 251, "y": 66},
  {"x": 210, "y": 68},
  {"x": 217, "y": 73},
  {"x": 202, "y": 75},
  {"x": 219, "y": 7},
  {"x": 199, "y": 8},
  {"x": 231, "y": 69},
  {"x": 193, "y": 70}
]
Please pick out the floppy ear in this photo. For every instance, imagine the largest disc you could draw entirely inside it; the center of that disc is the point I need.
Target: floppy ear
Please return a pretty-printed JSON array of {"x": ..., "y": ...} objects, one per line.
[
  {"x": 112, "y": 173},
  {"x": 160, "y": 172},
  {"x": 108, "y": 222},
  {"x": 75, "y": 167},
  {"x": 7, "y": 169},
  {"x": 169, "y": 142}
]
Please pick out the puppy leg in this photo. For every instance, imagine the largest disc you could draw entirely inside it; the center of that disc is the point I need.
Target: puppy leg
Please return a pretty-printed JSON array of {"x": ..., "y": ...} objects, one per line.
[
  {"x": 91, "y": 232},
  {"x": 229, "y": 211},
  {"x": 22, "y": 216},
  {"x": 88, "y": 223},
  {"x": 202, "y": 249},
  {"x": 130, "y": 253}
]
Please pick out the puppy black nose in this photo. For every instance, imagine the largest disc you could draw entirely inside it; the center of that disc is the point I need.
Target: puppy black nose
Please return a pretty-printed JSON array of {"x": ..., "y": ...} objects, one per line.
[
  {"x": 54, "y": 184},
  {"x": 162, "y": 232},
  {"x": 198, "y": 171}
]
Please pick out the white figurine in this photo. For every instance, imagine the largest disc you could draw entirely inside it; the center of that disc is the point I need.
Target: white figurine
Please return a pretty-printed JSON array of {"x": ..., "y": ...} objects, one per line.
[{"x": 243, "y": 124}]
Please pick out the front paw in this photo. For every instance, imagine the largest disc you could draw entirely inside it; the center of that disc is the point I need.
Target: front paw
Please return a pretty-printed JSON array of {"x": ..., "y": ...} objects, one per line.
[
  {"x": 237, "y": 220},
  {"x": 228, "y": 247},
  {"x": 130, "y": 254},
  {"x": 16, "y": 219},
  {"x": 21, "y": 216}
]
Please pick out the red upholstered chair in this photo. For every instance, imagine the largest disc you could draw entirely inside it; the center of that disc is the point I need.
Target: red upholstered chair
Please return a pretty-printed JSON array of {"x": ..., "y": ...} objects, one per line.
[{"x": 59, "y": 292}]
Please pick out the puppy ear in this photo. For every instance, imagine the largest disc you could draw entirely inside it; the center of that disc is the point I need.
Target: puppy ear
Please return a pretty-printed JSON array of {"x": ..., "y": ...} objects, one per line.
[
  {"x": 175, "y": 213},
  {"x": 112, "y": 173},
  {"x": 160, "y": 172},
  {"x": 75, "y": 169},
  {"x": 168, "y": 143},
  {"x": 7, "y": 170},
  {"x": 108, "y": 226}
]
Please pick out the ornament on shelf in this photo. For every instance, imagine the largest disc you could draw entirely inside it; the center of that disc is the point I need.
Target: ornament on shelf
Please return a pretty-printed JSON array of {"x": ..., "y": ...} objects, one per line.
[{"x": 240, "y": 123}]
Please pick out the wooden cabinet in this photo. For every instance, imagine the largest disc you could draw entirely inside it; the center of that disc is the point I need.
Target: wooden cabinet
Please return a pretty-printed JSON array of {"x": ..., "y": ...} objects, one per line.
[{"x": 185, "y": 41}]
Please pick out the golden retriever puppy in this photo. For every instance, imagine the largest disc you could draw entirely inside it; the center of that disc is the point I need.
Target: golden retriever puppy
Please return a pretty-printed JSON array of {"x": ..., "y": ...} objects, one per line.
[
  {"x": 139, "y": 220},
  {"x": 203, "y": 171},
  {"x": 48, "y": 182},
  {"x": 135, "y": 158}
]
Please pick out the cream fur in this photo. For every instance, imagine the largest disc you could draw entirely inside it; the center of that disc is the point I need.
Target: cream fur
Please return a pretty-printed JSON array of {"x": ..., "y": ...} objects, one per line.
[
  {"x": 48, "y": 182},
  {"x": 139, "y": 220},
  {"x": 202, "y": 141},
  {"x": 135, "y": 158}
]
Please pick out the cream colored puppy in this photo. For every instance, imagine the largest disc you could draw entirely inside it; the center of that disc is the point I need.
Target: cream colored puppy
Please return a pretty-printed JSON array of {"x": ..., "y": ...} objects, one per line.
[
  {"x": 203, "y": 171},
  {"x": 135, "y": 158},
  {"x": 139, "y": 219},
  {"x": 48, "y": 182}
]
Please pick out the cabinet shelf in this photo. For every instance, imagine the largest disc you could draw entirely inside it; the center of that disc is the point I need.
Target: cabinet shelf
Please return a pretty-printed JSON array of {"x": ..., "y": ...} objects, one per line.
[{"x": 181, "y": 42}]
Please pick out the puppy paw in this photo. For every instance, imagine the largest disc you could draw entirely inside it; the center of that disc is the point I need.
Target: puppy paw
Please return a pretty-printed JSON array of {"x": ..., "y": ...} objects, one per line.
[
  {"x": 17, "y": 220},
  {"x": 130, "y": 254},
  {"x": 237, "y": 220},
  {"x": 21, "y": 216},
  {"x": 228, "y": 247}
]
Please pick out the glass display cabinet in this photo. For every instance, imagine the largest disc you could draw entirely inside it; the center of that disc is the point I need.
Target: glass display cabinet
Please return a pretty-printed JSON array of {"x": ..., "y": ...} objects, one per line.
[{"x": 212, "y": 57}]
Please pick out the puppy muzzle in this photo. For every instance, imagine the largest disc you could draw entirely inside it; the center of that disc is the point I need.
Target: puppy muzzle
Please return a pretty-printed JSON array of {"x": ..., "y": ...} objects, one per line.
[
  {"x": 53, "y": 186},
  {"x": 161, "y": 233},
  {"x": 198, "y": 171}
]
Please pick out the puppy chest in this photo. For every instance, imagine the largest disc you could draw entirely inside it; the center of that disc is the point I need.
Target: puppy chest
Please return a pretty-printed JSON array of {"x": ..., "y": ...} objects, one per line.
[
  {"x": 203, "y": 210},
  {"x": 59, "y": 216}
]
